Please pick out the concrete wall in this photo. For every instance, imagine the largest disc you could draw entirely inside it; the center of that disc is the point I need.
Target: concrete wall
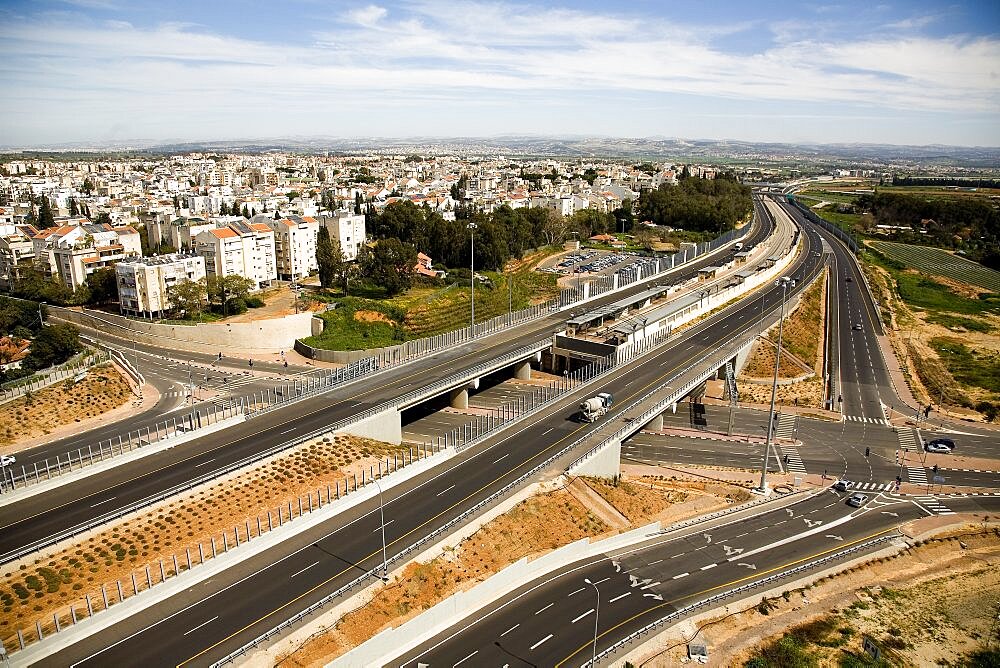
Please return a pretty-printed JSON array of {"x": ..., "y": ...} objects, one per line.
[
  {"x": 605, "y": 463},
  {"x": 386, "y": 426},
  {"x": 263, "y": 336}
]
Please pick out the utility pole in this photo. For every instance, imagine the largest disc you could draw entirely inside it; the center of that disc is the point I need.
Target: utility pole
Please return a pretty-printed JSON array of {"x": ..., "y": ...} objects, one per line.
[
  {"x": 472, "y": 283},
  {"x": 785, "y": 282}
]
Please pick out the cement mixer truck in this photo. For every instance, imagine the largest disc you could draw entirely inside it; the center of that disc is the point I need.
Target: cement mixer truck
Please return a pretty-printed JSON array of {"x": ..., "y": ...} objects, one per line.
[{"x": 596, "y": 406}]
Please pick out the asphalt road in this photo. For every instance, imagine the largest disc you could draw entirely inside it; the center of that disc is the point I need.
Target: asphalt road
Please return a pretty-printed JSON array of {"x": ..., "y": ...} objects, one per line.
[
  {"x": 76, "y": 503},
  {"x": 211, "y": 619},
  {"x": 551, "y": 621}
]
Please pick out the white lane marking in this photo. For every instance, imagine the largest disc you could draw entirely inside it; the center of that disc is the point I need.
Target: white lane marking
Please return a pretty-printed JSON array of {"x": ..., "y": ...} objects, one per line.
[
  {"x": 582, "y": 616},
  {"x": 682, "y": 575},
  {"x": 545, "y": 608},
  {"x": 466, "y": 658},
  {"x": 705, "y": 568},
  {"x": 677, "y": 555},
  {"x": 304, "y": 569},
  {"x": 509, "y": 630},
  {"x": 547, "y": 430},
  {"x": 575, "y": 592},
  {"x": 201, "y": 625},
  {"x": 618, "y": 598},
  {"x": 104, "y": 501},
  {"x": 204, "y": 463},
  {"x": 288, "y": 431},
  {"x": 654, "y": 562},
  {"x": 600, "y": 581},
  {"x": 377, "y": 529},
  {"x": 497, "y": 460},
  {"x": 445, "y": 490},
  {"x": 540, "y": 642}
]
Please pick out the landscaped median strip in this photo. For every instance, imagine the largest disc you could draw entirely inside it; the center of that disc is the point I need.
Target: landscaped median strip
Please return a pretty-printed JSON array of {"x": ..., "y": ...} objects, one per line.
[{"x": 77, "y": 619}]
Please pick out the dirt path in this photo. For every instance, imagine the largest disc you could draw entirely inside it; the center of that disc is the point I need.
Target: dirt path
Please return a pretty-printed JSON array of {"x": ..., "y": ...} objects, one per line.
[{"x": 595, "y": 503}]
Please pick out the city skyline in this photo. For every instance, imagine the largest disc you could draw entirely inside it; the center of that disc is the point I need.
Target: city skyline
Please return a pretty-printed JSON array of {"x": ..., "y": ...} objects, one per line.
[{"x": 102, "y": 72}]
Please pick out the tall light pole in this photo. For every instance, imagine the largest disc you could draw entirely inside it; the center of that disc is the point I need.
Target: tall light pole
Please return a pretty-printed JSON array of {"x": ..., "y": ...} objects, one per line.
[
  {"x": 785, "y": 282},
  {"x": 381, "y": 514},
  {"x": 472, "y": 266},
  {"x": 597, "y": 614},
  {"x": 41, "y": 320}
]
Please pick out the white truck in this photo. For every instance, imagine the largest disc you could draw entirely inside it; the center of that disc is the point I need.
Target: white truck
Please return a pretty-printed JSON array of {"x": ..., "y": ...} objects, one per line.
[{"x": 596, "y": 406}]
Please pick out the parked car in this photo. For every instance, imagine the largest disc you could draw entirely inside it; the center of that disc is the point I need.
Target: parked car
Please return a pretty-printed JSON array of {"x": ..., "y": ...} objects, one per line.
[
  {"x": 842, "y": 485},
  {"x": 857, "y": 500},
  {"x": 937, "y": 447},
  {"x": 946, "y": 442},
  {"x": 7, "y": 460}
]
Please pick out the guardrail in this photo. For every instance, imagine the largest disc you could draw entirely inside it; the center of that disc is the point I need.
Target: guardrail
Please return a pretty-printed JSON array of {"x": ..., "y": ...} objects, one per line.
[
  {"x": 44, "y": 378},
  {"x": 677, "y": 614}
]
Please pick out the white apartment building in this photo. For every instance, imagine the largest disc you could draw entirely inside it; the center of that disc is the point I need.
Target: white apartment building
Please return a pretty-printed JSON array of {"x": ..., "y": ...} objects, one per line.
[
  {"x": 17, "y": 251},
  {"x": 349, "y": 229},
  {"x": 144, "y": 283},
  {"x": 74, "y": 252},
  {"x": 244, "y": 249},
  {"x": 294, "y": 245}
]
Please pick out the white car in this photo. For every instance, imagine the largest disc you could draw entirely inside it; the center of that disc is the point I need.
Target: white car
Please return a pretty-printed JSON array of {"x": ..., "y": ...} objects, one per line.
[
  {"x": 937, "y": 447},
  {"x": 7, "y": 460}
]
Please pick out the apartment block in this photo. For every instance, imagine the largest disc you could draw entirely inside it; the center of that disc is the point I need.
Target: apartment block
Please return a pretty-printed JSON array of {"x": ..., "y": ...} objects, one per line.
[
  {"x": 349, "y": 229},
  {"x": 294, "y": 245},
  {"x": 244, "y": 249},
  {"x": 144, "y": 283}
]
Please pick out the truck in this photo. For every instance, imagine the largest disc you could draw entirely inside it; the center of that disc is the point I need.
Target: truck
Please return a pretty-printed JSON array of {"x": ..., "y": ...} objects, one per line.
[{"x": 596, "y": 406}]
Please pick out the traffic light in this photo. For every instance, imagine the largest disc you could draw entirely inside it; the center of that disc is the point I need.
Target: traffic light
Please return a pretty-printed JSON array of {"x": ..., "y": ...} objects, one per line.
[{"x": 935, "y": 468}]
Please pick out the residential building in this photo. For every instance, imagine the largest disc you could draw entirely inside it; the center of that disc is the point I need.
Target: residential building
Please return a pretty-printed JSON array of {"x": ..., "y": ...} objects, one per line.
[
  {"x": 349, "y": 229},
  {"x": 17, "y": 251},
  {"x": 74, "y": 252},
  {"x": 144, "y": 283},
  {"x": 294, "y": 245},
  {"x": 244, "y": 249}
]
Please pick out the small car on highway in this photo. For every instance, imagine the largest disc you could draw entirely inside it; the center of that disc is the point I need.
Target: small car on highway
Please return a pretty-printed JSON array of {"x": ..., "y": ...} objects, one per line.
[
  {"x": 857, "y": 326},
  {"x": 842, "y": 485},
  {"x": 946, "y": 442},
  {"x": 857, "y": 500},
  {"x": 937, "y": 447},
  {"x": 6, "y": 460}
]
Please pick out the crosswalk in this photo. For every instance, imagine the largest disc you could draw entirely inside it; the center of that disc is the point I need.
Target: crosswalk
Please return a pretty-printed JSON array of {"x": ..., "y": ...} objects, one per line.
[
  {"x": 917, "y": 475},
  {"x": 932, "y": 504},
  {"x": 908, "y": 439},
  {"x": 792, "y": 461},
  {"x": 873, "y": 486},
  {"x": 869, "y": 420},
  {"x": 786, "y": 426}
]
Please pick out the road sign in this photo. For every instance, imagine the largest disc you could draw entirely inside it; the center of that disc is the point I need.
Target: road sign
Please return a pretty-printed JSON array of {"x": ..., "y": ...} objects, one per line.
[{"x": 871, "y": 647}]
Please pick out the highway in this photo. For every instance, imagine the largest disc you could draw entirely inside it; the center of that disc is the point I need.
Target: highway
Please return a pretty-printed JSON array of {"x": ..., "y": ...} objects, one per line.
[
  {"x": 551, "y": 621},
  {"x": 76, "y": 503},
  {"x": 244, "y": 601}
]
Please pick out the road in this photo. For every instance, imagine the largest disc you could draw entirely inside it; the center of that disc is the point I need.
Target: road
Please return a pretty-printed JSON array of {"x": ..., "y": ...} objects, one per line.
[
  {"x": 551, "y": 621},
  {"x": 76, "y": 503},
  {"x": 244, "y": 601}
]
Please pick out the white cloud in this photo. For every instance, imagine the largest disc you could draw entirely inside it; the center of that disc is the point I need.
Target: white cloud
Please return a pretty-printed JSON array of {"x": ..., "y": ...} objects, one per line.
[{"x": 440, "y": 53}]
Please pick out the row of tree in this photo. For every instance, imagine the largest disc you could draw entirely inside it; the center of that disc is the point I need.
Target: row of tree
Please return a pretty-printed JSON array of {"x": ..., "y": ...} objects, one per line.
[
  {"x": 699, "y": 205},
  {"x": 51, "y": 344}
]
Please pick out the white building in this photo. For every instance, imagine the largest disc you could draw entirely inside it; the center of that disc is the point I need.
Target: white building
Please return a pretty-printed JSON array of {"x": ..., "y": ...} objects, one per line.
[
  {"x": 144, "y": 283},
  {"x": 74, "y": 252},
  {"x": 347, "y": 228},
  {"x": 244, "y": 249},
  {"x": 17, "y": 251},
  {"x": 294, "y": 245}
]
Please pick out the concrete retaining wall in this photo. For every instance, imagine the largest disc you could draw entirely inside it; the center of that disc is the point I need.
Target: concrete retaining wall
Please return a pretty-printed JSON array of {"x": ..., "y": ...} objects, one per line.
[{"x": 264, "y": 336}]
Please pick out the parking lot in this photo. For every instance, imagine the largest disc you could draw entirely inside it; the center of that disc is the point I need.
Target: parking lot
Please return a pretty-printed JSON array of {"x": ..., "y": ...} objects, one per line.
[{"x": 588, "y": 261}]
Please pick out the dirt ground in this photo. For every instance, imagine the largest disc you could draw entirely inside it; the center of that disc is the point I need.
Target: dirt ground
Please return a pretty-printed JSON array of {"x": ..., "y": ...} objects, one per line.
[
  {"x": 35, "y": 587},
  {"x": 537, "y": 525},
  {"x": 931, "y": 604},
  {"x": 66, "y": 402}
]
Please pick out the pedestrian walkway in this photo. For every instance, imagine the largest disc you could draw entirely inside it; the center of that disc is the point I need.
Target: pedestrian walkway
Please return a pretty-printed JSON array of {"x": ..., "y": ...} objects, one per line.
[
  {"x": 917, "y": 475},
  {"x": 786, "y": 426},
  {"x": 869, "y": 420},
  {"x": 933, "y": 505},
  {"x": 873, "y": 486},
  {"x": 908, "y": 439},
  {"x": 792, "y": 460}
]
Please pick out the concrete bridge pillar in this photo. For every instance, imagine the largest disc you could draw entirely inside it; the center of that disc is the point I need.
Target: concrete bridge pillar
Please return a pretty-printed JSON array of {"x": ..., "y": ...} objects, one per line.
[
  {"x": 656, "y": 424},
  {"x": 459, "y": 398},
  {"x": 522, "y": 370}
]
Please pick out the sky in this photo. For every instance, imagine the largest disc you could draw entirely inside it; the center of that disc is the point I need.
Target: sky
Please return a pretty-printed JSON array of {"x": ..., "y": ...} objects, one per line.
[{"x": 112, "y": 71}]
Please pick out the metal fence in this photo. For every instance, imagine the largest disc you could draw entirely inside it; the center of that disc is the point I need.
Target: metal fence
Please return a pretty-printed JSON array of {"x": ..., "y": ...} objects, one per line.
[
  {"x": 18, "y": 388},
  {"x": 849, "y": 239}
]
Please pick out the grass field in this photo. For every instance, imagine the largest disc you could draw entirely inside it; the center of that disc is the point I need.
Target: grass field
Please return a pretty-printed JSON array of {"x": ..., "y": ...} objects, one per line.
[{"x": 941, "y": 263}]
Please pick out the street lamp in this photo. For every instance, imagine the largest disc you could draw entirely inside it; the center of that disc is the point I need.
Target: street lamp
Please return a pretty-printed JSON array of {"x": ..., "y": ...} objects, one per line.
[
  {"x": 381, "y": 513},
  {"x": 597, "y": 614},
  {"x": 472, "y": 265},
  {"x": 785, "y": 282}
]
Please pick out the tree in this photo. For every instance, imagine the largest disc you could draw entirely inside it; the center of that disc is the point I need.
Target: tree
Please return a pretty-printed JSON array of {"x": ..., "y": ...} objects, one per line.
[
  {"x": 327, "y": 257},
  {"x": 74, "y": 208},
  {"x": 88, "y": 187},
  {"x": 103, "y": 218},
  {"x": 389, "y": 264},
  {"x": 554, "y": 228},
  {"x": 358, "y": 201},
  {"x": 53, "y": 344},
  {"x": 188, "y": 297},
  {"x": 103, "y": 285},
  {"x": 230, "y": 292},
  {"x": 246, "y": 212}
]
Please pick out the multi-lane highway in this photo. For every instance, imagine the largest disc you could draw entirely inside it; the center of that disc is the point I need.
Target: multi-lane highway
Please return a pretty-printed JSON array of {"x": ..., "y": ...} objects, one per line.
[
  {"x": 79, "y": 502},
  {"x": 244, "y": 601}
]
